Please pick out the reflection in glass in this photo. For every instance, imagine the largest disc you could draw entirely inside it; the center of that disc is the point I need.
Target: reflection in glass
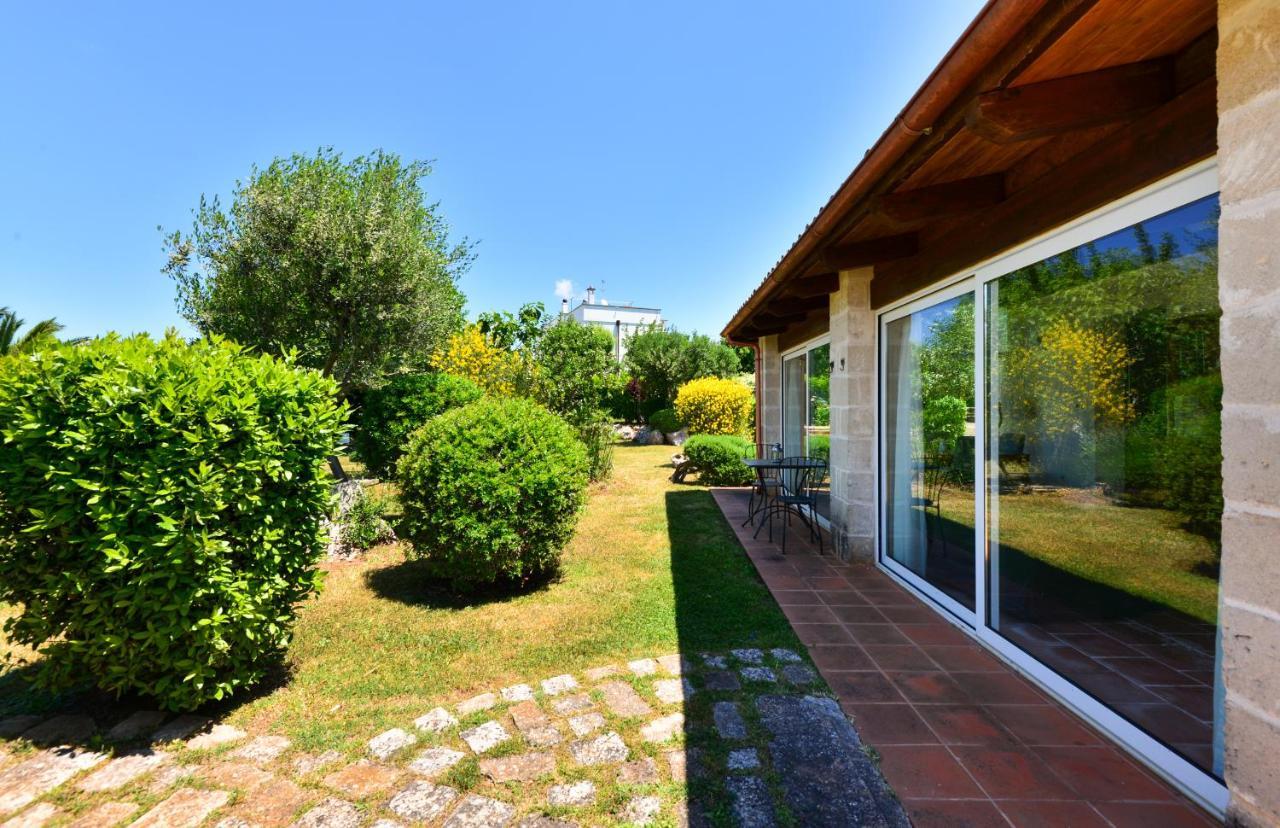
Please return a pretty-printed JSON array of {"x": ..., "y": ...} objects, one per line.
[
  {"x": 794, "y": 405},
  {"x": 928, "y": 445},
  {"x": 1104, "y": 451}
]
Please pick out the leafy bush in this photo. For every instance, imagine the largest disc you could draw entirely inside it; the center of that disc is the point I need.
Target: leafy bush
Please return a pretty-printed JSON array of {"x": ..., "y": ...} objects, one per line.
[
  {"x": 161, "y": 508},
  {"x": 577, "y": 374},
  {"x": 718, "y": 459},
  {"x": 662, "y": 361},
  {"x": 665, "y": 420},
  {"x": 474, "y": 355},
  {"x": 714, "y": 406},
  {"x": 491, "y": 491},
  {"x": 364, "y": 525},
  {"x": 943, "y": 421},
  {"x": 388, "y": 415},
  {"x": 597, "y": 438}
]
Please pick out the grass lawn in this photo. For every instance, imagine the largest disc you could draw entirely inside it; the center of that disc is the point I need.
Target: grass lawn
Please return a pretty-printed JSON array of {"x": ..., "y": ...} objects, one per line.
[
  {"x": 652, "y": 569},
  {"x": 1143, "y": 552}
]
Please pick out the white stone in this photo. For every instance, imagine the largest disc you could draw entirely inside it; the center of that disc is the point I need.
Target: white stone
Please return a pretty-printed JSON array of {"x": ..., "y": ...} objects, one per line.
[
  {"x": 475, "y": 704},
  {"x": 35, "y": 817},
  {"x": 27, "y": 781},
  {"x": 517, "y": 692},
  {"x": 784, "y": 655},
  {"x": 663, "y": 729},
  {"x": 642, "y": 810},
  {"x": 674, "y": 664},
  {"x": 749, "y": 655},
  {"x": 219, "y": 734},
  {"x": 435, "y": 720},
  {"x": 434, "y": 761},
  {"x": 586, "y": 724},
  {"x": 421, "y": 801},
  {"x": 574, "y": 793},
  {"x": 743, "y": 759},
  {"x": 559, "y": 684},
  {"x": 385, "y": 744},
  {"x": 138, "y": 723},
  {"x": 122, "y": 770},
  {"x": 331, "y": 813},
  {"x": 758, "y": 674},
  {"x": 606, "y": 749},
  {"x": 485, "y": 737},
  {"x": 480, "y": 812},
  {"x": 643, "y": 666},
  {"x": 719, "y": 662},
  {"x": 673, "y": 691},
  {"x": 263, "y": 749}
]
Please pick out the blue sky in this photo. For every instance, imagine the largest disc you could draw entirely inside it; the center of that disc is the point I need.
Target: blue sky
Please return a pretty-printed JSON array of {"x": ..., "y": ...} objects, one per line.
[{"x": 667, "y": 151}]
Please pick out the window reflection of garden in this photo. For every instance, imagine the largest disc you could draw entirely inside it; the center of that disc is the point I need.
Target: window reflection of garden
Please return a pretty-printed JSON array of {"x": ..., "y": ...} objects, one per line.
[{"x": 817, "y": 432}]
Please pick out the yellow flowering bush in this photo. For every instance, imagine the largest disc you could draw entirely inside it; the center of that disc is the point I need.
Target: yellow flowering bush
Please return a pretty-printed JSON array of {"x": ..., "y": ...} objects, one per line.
[
  {"x": 714, "y": 406},
  {"x": 472, "y": 355}
]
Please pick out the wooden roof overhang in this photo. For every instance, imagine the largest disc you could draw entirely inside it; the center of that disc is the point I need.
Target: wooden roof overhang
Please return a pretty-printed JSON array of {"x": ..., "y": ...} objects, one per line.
[{"x": 1042, "y": 111}]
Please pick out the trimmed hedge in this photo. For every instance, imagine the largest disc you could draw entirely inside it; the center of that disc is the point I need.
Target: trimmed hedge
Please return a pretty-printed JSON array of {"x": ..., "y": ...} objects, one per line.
[
  {"x": 390, "y": 414},
  {"x": 160, "y": 511},
  {"x": 718, "y": 459},
  {"x": 714, "y": 406},
  {"x": 666, "y": 421},
  {"x": 491, "y": 491}
]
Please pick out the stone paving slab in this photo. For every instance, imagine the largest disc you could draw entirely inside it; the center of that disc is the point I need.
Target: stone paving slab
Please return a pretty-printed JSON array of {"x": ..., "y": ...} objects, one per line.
[
  {"x": 522, "y": 768},
  {"x": 185, "y": 808},
  {"x": 179, "y": 728},
  {"x": 643, "y": 666},
  {"x": 540, "y": 821},
  {"x": 743, "y": 759},
  {"x": 572, "y": 794},
  {"x": 273, "y": 805},
  {"x": 263, "y": 749},
  {"x": 728, "y": 720},
  {"x": 663, "y": 729},
  {"x": 122, "y": 770},
  {"x": 527, "y": 715},
  {"x": 748, "y": 655},
  {"x": 390, "y": 742},
  {"x": 639, "y": 772},
  {"x": 721, "y": 680},
  {"x": 623, "y": 700},
  {"x": 137, "y": 725},
  {"x": 12, "y": 726},
  {"x": 823, "y": 771},
  {"x": 586, "y": 724},
  {"x": 602, "y": 750},
  {"x": 485, "y": 737},
  {"x": 168, "y": 776},
  {"x": 37, "y": 816},
  {"x": 436, "y": 720},
  {"x": 517, "y": 692},
  {"x": 235, "y": 775},
  {"x": 752, "y": 805},
  {"x": 422, "y": 801},
  {"x": 307, "y": 763},
  {"x": 106, "y": 815},
  {"x": 331, "y": 813},
  {"x": 673, "y": 691},
  {"x": 476, "y": 704},
  {"x": 642, "y": 810},
  {"x": 30, "y": 779},
  {"x": 675, "y": 664},
  {"x": 480, "y": 812},
  {"x": 572, "y": 704},
  {"x": 543, "y": 736},
  {"x": 559, "y": 684},
  {"x": 216, "y": 736},
  {"x": 61, "y": 730},
  {"x": 434, "y": 761},
  {"x": 597, "y": 673},
  {"x": 799, "y": 674},
  {"x": 362, "y": 779},
  {"x": 785, "y": 656}
]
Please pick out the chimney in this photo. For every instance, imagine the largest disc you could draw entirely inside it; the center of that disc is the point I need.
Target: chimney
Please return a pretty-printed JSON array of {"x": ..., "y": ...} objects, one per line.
[
  {"x": 591, "y": 296},
  {"x": 564, "y": 307}
]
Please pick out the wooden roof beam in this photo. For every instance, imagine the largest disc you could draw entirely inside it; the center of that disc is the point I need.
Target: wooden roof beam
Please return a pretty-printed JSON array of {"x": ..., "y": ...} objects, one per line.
[
  {"x": 812, "y": 286},
  {"x": 951, "y": 198},
  {"x": 1066, "y": 104},
  {"x": 869, "y": 252}
]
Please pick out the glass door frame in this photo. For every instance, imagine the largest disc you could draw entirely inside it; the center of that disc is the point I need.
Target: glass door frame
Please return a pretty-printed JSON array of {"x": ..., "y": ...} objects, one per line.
[
  {"x": 1195, "y": 182},
  {"x": 800, "y": 351}
]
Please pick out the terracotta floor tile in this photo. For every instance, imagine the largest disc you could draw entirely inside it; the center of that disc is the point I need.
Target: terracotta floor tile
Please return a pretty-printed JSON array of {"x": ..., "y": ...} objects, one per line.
[
  {"x": 910, "y": 615},
  {"x": 841, "y": 598},
  {"x": 1099, "y": 646},
  {"x": 1113, "y": 688},
  {"x": 1144, "y": 670},
  {"x": 840, "y": 657},
  {"x": 830, "y": 584},
  {"x": 890, "y": 724},
  {"x": 1012, "y": 774},
  {"x": 862, "y": 687},
  {"x": 936, "y": 633},
  {"x": 791, "y": 597},
  {"x": 965, "y": 658},
  {"x": 933, "y": 687},
  {"x": 808, "y": 614},
  {"x": 1101, "y": 774},
  {"x": 889, "y": 598},
  {"x": 998, "y": 688},
  {"x": 954, "y": 813},
  {"x": 1144, "y": 814},
  {"x": 860, "y": 614},
  {"x": 1059, "y": 814},
  {"x": 896, "y": 657},
  {"x": 1043, "y": 725},
  {"x": 877, "y": 634},
  {"x": 814, "y": 634},
  {"x": 926, "y": 772},
  {"x": 1168, "y": 723},
  {"x": 965, "y": 724},
  {"x": 784, "y": 581},
  {"x": 1196, "y": 699}
]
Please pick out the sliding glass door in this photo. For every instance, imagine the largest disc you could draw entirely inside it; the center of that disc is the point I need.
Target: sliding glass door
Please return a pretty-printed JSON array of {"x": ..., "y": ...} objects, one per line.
[
  {"x": 1083, "y": 374},
  {"x": 806, "y": 409}
]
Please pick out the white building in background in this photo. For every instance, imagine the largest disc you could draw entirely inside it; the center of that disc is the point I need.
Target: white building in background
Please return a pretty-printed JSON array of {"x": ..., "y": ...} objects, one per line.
[{"x": 621, "y": 321}]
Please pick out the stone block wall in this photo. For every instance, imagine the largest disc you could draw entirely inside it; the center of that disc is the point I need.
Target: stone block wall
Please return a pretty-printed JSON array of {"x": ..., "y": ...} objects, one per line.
[
  {"x": 1249, "y": 291},
  {"x": 769, "y": 394},
  {"x": 853, "y": 415}
]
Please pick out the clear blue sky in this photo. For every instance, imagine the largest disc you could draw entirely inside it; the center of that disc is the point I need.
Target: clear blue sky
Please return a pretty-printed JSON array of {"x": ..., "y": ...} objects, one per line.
[{"x": 671, "y": 151}]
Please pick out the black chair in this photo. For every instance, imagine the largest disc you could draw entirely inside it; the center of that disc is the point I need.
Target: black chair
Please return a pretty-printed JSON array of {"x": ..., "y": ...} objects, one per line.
[
  {"x": 766, "y": 481},
  {"x": 800, "y": 480}
]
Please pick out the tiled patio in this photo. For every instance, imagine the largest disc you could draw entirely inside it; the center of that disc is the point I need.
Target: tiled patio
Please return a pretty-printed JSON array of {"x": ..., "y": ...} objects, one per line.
[{"x": 963, "y": 740}]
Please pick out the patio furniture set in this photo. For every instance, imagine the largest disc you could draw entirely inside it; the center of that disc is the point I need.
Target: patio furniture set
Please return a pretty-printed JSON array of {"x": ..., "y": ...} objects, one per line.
[{"x": 785, "y": 486}]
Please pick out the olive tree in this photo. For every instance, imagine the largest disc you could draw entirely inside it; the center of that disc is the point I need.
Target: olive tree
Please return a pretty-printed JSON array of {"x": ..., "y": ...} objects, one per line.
[{"x": 343, "y": 262}]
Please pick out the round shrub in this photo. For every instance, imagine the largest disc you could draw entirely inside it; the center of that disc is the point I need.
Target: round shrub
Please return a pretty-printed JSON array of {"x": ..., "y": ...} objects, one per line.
[
  {"x": 714, "y": 406},
  {"x": 665, "y": 420},
  {"x": 718, "y": 459},
  {"x": 389, "y": 414},
  {"x": 161, "y": 507},
  {"x": 491, "y": 491}
]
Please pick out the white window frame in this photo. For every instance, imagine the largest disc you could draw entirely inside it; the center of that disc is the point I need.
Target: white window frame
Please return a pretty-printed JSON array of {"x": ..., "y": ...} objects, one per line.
[{"x": 1193, "y": 183}]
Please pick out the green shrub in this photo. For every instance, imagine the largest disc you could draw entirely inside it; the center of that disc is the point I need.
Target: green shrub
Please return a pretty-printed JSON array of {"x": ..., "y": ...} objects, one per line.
[
  {"x": 161, "y": 508},
  {"x": 363, "y": 526},
  {"x": 388, "y": 415},
  {"x": 718, "y": 459},
  {"x": 597, "y": 438},
  {"x": 943, "y": 422},
  {"x": 714, "y": 406},
  {"x": 665, "y": 420},
  {"x": 491, "y": 491}
]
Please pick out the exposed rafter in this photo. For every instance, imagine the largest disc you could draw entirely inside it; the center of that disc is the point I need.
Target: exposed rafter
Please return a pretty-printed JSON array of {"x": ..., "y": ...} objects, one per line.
[
  {"x": 1074, "y": 102},
  {"x": 942, "y": 200},
  {"x": 810, "y": 286},
  {"x": 869, "y": 252}
]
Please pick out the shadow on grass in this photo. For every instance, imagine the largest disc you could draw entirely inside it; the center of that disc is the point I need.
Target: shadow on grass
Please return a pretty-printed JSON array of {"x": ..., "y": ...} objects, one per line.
[{"x": 411, "y": 582}]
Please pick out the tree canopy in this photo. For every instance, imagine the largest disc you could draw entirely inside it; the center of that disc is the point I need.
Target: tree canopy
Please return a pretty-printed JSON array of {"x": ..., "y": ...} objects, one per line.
[
  {"x": 662, "y": 361},
  {"x": 39, "y": 334},
  {"x": 344, "y": 262}
]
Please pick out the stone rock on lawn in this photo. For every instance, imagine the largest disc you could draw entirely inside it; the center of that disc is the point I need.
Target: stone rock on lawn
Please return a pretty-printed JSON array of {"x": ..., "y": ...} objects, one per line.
[
  {"x": 527, "y": 715},
  {"x": 663, "y": 729},
  {"x": 35, "y": 817},
  {"x": 388, "y": 743},
  {"x": 331, "y": 813},
  {"x": 677, "y": 762},
  {"x": 586, "y": 723},
  {"x": 762, "y": 674},
  {"x": 572, "y": 704},
  {"x": 729, "y": 723},
  {"x": 61, "y": 730},
  {"x": 752, "y": 805},
  {"x": 421, "y": 801},
  {"x": 748, "y": 655},
  {"x": 673, "y": 691},
  {"x": 518, "y": 692},
  {"x": 106, "y": 815},
  {"x": 606, "y": 749},
  {"x": 784, "y": 655},
  {"x": 11, "y": 726},
  {"x": 597, "y": 673},
  {"x": 362, "y": 779},
  {"x": 642, "y": 810},
  {"x": 523, "y": 768},
  {"x": 540, "y": 821},
  {"x": 386, "y": 823},
  {"x": 480, "y": 812},
  {"x": 800, "y": 674},
  {"x": 543, "y": 736},
  {"x": 263, "y": 749},
  {"x": 185, "y": 808},
  {"x": 435, "y": 721},
  {"x": 180, "y": 728},
  {"x": 122, "y": 770},
  {"x": 623, "y": 700},
  {"x": 238, "y": 775},
  {"x": 572, "y": 794},
  {"x": 137, "y": 724},
  {"x": 559, "y": 684},
  {"x": 715, "y": 661},
  {"x": 308, "y": 763},
  {"x": 638, "y": 772},
  {"x": 170, "y": 775},
  {"x": 274, "y": 803},
  {"x": 27, "y": 781},
  {"x": 475, "y": 704},
  {"x": 743, "y": 759},
  {"x": 434, "y": 761},
  {"x": 675, "y": 664},
  {"x": 643, "y": 666},
  {"x": 722, "y": 680},
  {"x": 219, "y": 734},
  {"x": 485, "y": 737}
]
